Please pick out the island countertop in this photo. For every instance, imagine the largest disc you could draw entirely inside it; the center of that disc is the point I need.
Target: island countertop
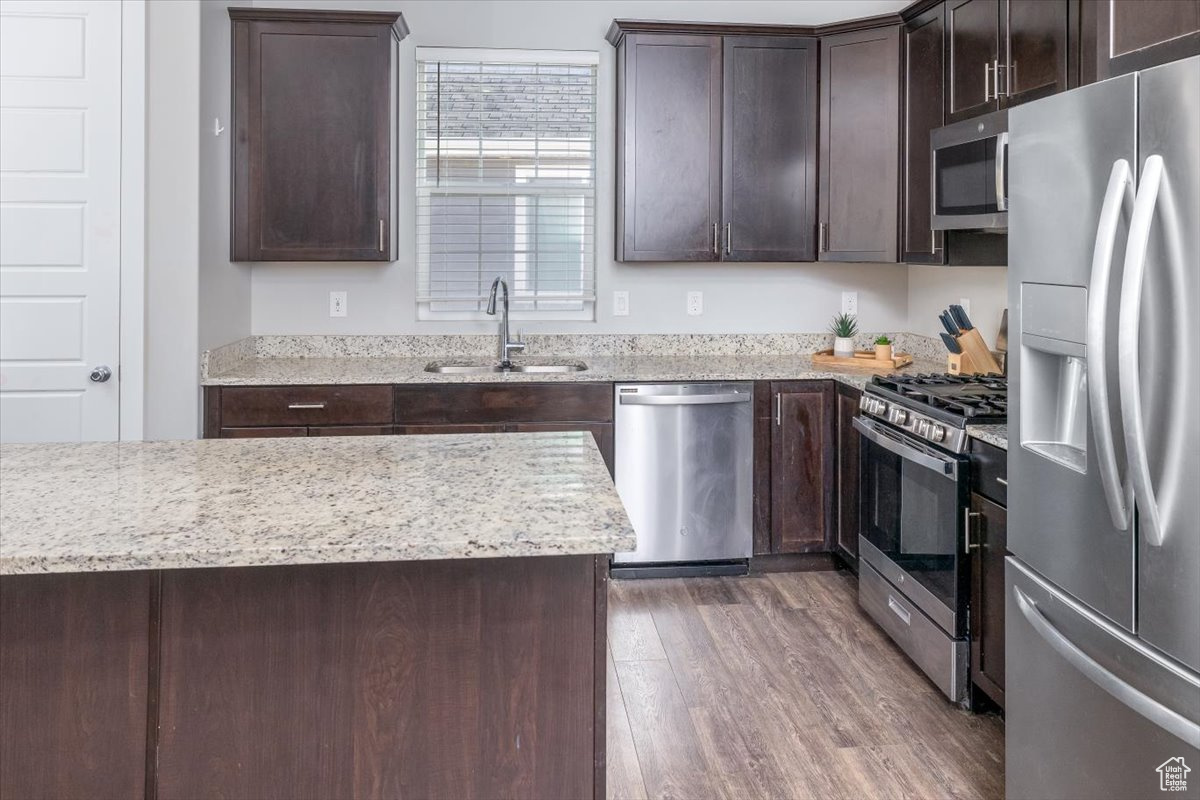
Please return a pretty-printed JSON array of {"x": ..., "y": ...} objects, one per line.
[{"x": 208, "y": 503}]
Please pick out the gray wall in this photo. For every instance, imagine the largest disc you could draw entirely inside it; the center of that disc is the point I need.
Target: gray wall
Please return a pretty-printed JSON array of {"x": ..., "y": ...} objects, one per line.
[{"x": 172, "y": 408}]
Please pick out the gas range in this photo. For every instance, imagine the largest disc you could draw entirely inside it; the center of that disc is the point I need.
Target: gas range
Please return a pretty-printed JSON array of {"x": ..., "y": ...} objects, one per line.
[{"x": 937, "y": 408}]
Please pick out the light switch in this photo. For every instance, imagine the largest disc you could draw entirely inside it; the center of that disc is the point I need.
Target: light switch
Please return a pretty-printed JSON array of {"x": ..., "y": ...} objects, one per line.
[{"x": 620, "y": 304}]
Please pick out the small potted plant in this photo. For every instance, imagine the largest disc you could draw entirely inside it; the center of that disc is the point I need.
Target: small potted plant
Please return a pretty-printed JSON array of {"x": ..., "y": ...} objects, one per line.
[
  {"x": 844, "y": 327},
  {"x": 883, "y": 348}
]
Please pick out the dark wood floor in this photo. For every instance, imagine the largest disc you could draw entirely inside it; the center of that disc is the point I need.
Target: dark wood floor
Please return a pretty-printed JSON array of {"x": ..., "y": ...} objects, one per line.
[{"x": 777, "y": 686}]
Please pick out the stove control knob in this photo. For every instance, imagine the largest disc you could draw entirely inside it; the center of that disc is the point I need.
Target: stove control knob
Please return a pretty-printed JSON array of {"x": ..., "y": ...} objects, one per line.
[
  {"x": 937, "y": 433},
  {"x": 923, "y": 428},
  {"x": 864, "y": 403},
  {"x": 899, "y": 416}
]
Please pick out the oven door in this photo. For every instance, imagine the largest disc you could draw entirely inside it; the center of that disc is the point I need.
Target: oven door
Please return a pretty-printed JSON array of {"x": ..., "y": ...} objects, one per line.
[
  {"x": 911, "y": 520},
  {"x": 970, "y": 174}
]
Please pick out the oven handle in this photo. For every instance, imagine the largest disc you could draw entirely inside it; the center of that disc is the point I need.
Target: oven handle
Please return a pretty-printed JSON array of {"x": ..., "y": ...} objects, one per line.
[{"x": 872, "y": 432}]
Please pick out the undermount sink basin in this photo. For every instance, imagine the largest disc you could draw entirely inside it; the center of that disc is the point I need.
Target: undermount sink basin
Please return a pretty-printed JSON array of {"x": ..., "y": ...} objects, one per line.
[{"x": 476, "y": 368}]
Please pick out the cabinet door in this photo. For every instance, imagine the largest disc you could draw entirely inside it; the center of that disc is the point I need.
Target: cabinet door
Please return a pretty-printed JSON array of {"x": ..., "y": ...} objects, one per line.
[
  {"x": 973, "y": 51},
  {"x": 669, "y": 148},
  {"x": 1126, "y": 35},
  {"x": 924, "y": 50},
  {"x": 769, "y": 149},
  {"x": 311, "y": 141},
  {"x": 1036, "y": 45},
  {"x": 847, "y": 496},
  {"x": 988, "y": 542},
  {"x": 802, "y": 467},
  {"x": 860, "y": 146}
]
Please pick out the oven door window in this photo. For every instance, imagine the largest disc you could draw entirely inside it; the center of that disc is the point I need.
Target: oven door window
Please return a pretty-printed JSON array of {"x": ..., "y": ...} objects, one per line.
[
  {"x": 910, "y": 513},
  {"x": 965, "y": 178}
]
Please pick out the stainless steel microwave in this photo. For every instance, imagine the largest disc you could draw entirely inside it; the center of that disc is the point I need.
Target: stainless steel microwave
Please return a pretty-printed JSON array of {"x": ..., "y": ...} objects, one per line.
[{"x": 970, "y": 174}]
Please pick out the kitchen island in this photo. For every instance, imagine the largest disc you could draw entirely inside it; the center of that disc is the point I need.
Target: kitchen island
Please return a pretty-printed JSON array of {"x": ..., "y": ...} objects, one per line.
[{"x": 367, "y": 617}]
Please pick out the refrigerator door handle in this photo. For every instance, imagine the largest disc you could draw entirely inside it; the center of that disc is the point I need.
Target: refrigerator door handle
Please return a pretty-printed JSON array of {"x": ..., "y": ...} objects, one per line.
[
  {"x": 1118, "y": 194},
  {"x": 1128, "y": 369},
  {"x": 1001, "y": 164},
  {"x": 1165, "y": 718}
]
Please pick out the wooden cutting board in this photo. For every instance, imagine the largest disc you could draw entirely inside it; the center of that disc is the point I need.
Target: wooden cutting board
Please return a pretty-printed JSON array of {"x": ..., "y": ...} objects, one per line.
[{"x": 862, "y": 359}]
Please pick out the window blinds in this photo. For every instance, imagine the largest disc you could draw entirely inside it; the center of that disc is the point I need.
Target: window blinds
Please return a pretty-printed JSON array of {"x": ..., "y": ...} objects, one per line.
[{"x": 506, "y": 175}]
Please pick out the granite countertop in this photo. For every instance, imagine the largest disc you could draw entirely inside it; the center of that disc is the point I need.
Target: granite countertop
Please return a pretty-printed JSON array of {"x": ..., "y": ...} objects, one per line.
[
  {"x": 209, "y": 503},
  {"x": 601, "y": 369},
  {"x": 992, "y": 434}
]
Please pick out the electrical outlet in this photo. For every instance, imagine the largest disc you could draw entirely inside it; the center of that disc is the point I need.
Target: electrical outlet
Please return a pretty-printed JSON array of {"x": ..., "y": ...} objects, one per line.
[
  {"x": 620, "y": 304},
  {"x": 965, "y": 302},
  {"x": 337, "y": 304},
  {"x": 695, "y": 304},
  {"x": 850, "y": 303}
]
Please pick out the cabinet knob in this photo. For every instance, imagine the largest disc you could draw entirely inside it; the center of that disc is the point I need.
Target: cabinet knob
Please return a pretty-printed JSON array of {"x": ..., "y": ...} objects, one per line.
[{"x": 100, "y": 374}]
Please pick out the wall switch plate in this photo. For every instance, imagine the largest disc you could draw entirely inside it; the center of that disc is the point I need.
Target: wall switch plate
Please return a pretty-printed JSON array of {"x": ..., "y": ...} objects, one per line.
[
  {"x": 965, "y": 302},
  {"x": 337, "y": 304},
  {"x": 695, "y": 304},
  {"x": 620, "y": 304},
  {"x": 850, "y": 303}
]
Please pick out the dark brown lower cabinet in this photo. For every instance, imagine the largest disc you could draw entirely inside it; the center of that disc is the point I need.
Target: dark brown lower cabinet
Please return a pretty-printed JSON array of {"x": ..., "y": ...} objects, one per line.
[
  {"x": 802, "y": 467},
  {"x": 988, "y": 543},
  {"x": 470, "y": 678},
  {"x": 74, "y": 651},
  {"x": 847, "y": 493}
]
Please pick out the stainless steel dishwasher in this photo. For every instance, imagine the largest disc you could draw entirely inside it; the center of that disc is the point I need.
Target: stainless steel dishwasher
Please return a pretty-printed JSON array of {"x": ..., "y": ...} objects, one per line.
[{"x": 684, "y": 469}]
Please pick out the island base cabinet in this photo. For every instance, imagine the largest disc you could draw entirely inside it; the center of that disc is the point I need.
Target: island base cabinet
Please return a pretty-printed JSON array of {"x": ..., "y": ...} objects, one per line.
[
  {"x": 472, "y": 678},
  {"x": 74, "y": 651}
]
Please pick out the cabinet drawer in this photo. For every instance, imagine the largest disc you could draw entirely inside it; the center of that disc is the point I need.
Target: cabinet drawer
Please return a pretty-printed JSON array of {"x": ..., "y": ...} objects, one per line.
[
  {"x": 244, "y": 406},
  {"x": 478, "y": 404},
  {"x": 989, "y": 471}
]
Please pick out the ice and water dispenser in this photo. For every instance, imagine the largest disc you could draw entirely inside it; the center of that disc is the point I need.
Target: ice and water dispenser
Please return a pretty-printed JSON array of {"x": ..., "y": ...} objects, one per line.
[{"x": 1054, "y": 391}]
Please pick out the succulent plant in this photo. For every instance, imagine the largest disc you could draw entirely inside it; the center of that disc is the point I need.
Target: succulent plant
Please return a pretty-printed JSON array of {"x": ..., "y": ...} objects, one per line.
[
  {"x": 844, "y": 326},
  {"x": 883, "y": 339}
]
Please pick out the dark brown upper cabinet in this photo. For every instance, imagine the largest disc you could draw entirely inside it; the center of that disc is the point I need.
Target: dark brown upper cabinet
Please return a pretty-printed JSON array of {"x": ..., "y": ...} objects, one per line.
[
  {"x": 769, "y": 151},
  {"x": 313, "y": 103},
  {"x": 668, "y": 148},
  {"x": 1000, "y": 53},
  {"x": 860, "y": 146},
  {"x": 924, "y": 111},
  {"x": 1128, "y": 35},
  {"x": 716, "y": 143}
]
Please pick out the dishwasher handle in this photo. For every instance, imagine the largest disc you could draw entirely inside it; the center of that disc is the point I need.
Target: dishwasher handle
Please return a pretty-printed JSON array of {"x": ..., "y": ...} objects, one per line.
[{"x": 684, "y": 399}]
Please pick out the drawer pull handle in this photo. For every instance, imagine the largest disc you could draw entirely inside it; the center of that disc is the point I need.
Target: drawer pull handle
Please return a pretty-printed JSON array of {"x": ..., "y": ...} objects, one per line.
[
  {"x": 1001, "y": 481},
  {"x": 302, "y": 406},
  {"x": 899, "y": 610}
]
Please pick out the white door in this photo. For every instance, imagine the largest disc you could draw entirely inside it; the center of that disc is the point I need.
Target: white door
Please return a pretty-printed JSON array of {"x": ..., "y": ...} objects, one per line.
[{"x": 60, "y": 220}]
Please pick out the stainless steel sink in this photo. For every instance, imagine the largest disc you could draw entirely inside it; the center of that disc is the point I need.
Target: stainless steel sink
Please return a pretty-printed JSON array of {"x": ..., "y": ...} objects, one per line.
[{"x": 477, "y": 368}]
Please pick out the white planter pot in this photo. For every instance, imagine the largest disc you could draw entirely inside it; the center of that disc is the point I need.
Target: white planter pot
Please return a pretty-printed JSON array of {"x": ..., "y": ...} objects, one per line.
[{"x": 843, "y": 346}]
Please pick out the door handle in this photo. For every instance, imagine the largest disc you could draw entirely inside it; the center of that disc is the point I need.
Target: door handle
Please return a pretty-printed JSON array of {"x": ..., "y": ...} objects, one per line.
[
  {"x": 382, "y": 234},
  {"x": 822, "y": 237},
  {"x": 1154, "y": 711},
  {"x": 728, "y": 238},
  {"x": 716, "y": 239},
  {"x": 906, "y": 451},
  {"x": 968, "y": 515},
  {"x": 1120, "y": 190},
  {"x": 684, "y": 399},
  {"x": 100, "y": 374},
  {"x": 1128, "y": 359},
  {"x": 987, "y": 92},
  {"x": 305, "y": 406},
  {"x": 900, "y": 611},
  {"x": 779, "y": 409}
]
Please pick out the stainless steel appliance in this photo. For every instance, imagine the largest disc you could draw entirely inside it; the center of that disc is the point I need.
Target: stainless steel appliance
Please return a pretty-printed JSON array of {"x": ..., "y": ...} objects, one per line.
[
  {"x": 913, "y": 567},
  {"x": 684, "y": 469},
  {"x": 970, "y": 175},
  {"x": 1103, "y": 601}
]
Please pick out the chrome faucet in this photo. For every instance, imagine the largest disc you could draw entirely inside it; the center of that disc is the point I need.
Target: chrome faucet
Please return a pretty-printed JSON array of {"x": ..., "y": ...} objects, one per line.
[{"x": 507, "y": 346}]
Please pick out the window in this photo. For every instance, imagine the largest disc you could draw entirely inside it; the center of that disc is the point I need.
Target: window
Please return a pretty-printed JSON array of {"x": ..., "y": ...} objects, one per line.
[{"x": 506, "y": 181}]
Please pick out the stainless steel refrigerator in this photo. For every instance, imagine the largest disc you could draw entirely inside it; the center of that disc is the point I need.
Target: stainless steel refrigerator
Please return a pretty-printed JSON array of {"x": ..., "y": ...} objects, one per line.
[{"x": 1103, "y": 585}]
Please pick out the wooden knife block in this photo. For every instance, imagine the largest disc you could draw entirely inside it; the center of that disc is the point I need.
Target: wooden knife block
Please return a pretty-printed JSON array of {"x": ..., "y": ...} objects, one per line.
[{"x": 975, "y": 358}]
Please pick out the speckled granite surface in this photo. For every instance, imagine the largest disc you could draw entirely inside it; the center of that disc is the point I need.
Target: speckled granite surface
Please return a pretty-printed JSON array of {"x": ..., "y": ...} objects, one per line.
[
  {"x": 605, "y": 369},
  {"x": 283, "y": 360},
  {"x": 992, "y": 434},
  {"x": 161, "y": 505}
]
